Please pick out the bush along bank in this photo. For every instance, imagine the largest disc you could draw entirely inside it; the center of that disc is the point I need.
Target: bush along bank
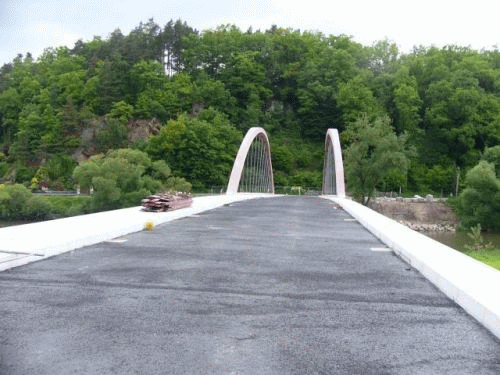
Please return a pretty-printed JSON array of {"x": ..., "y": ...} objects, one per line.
[{"x": 18, "y": 203}]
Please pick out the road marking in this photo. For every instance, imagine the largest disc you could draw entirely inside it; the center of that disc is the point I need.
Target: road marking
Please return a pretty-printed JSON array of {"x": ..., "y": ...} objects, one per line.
[
  {"x": 350, "y": 220},
  {"x": 117, "y": 241},
  {"x": 386, "y": 249},
  {"x": 214, "y": 227},
  {"x": 7, "y": 257},
  {"x": 21, "y": 253}
]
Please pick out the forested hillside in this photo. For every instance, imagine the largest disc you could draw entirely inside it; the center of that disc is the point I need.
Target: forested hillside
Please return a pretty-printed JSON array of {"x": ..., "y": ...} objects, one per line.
[{"x": 187, "y": 97}]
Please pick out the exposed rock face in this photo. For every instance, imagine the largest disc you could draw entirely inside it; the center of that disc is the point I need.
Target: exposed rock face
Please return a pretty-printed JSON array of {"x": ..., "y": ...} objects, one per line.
[
  {"x": 89, "y": 145},
  {"x": 142, "y": 129}
]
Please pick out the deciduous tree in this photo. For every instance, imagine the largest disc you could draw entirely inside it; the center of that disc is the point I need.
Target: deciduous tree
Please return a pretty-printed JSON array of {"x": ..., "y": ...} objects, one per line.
[
  {"x": 123, "y": 177},
  {"x": 480, "y": 201},
  {"x": 374, "y": 151},
  {"x": 201, "y": 149}
]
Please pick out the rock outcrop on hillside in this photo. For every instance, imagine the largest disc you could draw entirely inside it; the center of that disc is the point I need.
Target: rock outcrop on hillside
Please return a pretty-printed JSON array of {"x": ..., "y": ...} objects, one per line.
[{"x": 89, "y": 143}]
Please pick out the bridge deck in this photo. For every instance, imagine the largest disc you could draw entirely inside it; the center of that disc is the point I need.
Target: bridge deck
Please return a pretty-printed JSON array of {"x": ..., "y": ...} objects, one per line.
[{"x": 286, "y": 285}]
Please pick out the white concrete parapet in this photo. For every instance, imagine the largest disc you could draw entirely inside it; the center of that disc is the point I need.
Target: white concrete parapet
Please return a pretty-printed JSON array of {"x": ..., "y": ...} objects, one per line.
[{"x": 471, "y": 284}]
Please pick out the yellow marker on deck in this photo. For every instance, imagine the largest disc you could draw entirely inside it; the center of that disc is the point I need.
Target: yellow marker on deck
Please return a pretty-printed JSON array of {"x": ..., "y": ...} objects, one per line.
[{"x": 149, "y": 225}]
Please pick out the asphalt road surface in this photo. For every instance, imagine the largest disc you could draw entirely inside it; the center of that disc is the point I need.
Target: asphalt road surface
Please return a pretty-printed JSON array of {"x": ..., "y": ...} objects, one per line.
[{"x": 286, "y": 285}]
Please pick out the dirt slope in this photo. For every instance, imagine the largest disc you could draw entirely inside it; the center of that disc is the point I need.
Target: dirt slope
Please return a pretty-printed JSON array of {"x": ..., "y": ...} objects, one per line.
[{"x": 417, "y": 212}]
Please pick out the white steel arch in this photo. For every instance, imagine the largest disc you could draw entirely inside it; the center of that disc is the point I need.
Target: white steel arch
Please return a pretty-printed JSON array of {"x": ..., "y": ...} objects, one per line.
[
  {"x": 265, "y": 165},
  {"x": 333, "y": 167}
]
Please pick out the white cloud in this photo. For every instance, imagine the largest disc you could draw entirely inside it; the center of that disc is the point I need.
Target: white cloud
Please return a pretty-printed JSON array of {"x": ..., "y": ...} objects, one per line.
[
  {"x": 44, "y": 35},
  {"x": 27, "y": 25}
]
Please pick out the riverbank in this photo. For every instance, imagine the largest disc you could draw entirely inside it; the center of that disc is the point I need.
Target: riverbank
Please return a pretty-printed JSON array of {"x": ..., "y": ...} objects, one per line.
[
  {"x": 419, "y": 214},
  {"x": 437, "y": 220}
]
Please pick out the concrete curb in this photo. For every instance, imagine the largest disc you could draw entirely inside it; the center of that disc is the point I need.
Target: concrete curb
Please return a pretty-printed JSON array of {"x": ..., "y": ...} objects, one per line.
[
  {"x": 23, "y": 244},
  {"x": 471, "y": 284}
]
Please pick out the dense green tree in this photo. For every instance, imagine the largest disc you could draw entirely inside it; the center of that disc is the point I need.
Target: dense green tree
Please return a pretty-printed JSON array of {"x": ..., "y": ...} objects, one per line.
[
  {"x": 172, "y": 42},
  {"x": 295, "y": 84},
  {"x": 407, "y": 103},
  {"x": 149, "y": 105},
  {"x": 143, "y": 43},
  {"x": 245, "y": 79},
  {"x": 113, "y": 86},
  {"x": 284, "y": 54},
  {"x": 492, "y": 155},
  {"x": 333, "y": 61},
  {"x": 307, "y": 179},
  {"x": 374, "y": 151},
  {"x": 27, "y": 145},
  {"x": 121, "y": 111},
  {"x": 71, "y": 85},
  {"x": 147, "y": 74},
  {"x": 480, "y": 201},
  {"x": 212, "y": 50},
  {"x": 355, "y": 97},
  {"x": 208, "y": 92},
  {"x": 70, "y": 122},
  {"x": 10, "y": 108},
  {"x": 382, "y": 56},
  {"x": 201, "y": 149},
  {"x": 92, "y": 50}
]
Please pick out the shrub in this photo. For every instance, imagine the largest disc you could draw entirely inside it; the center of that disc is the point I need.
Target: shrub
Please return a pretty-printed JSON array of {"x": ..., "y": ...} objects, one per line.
[
  {"x": 122, "y": 177},
  {"x": 61, "y": 206},
  {"x": 307, "y": 179},
  {"x": 17, "y": 202},
  {"x": 106, "y": 193},
  {"x": 479, "y": 245},
  {"x": 479, "y": 203},
  {"x": 24, "y": 174},
  {"x": 4, "y": 168}
]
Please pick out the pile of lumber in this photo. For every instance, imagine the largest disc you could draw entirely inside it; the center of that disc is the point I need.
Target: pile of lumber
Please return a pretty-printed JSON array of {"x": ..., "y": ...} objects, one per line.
[{"x": 167, "y": 202}]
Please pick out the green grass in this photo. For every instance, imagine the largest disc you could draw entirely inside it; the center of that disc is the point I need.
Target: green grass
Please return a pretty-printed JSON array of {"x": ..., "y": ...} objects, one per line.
[{"x": 490, "y": 257}]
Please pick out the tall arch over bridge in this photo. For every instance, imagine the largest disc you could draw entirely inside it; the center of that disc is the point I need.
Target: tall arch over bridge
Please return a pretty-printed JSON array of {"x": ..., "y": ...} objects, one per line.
[
  {"x": 252, "y": 169},
  {"x": 333, "y": 167}
]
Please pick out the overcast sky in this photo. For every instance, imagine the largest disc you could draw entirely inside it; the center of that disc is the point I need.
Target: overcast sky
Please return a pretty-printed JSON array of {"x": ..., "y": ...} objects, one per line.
[{"x": 33, "y": 25}]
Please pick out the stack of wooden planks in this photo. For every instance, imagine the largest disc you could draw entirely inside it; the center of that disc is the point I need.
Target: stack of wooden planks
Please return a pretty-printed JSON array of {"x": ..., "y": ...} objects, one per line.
[{"x": 167, "y": 202}]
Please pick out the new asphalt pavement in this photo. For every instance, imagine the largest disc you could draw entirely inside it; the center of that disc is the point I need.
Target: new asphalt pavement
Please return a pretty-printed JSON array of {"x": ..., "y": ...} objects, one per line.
[{"x": 285, "y": 285}]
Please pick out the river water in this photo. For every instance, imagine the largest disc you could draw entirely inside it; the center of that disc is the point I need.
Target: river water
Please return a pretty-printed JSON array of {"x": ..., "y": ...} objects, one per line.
[{"x": 458, "y": 240}]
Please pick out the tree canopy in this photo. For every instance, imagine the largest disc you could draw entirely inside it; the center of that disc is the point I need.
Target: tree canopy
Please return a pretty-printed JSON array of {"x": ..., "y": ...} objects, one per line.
[
  {"x": 123, "y": 176},
  {"x": 479, "y": 202},
  {"x": 374, "y": 155},
  {"x": 199, "y": 86}
]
